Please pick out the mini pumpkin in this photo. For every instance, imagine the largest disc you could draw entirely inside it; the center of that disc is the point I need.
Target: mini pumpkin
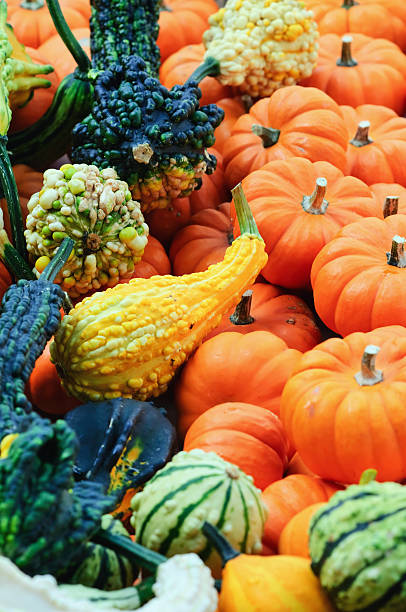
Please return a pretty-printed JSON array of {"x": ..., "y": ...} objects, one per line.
[
  {"x": 233, "y": 108},
  {"x": 294, "y": 538},
  {"x": 391, "y": 197}
]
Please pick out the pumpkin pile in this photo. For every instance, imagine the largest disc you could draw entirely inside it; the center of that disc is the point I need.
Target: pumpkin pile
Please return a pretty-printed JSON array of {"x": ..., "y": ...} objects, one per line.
[{"x": 203, "y": 320}]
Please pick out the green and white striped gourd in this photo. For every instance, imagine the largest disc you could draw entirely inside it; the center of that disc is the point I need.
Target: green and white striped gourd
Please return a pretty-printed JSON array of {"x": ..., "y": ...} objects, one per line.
[
  {"x": 357, "y": 546},
  {"x": 192, "y": 488}
]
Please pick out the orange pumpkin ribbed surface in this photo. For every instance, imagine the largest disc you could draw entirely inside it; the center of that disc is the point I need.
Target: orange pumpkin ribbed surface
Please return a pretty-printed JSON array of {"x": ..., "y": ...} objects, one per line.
[
  {"x": 233, "y": 109},
  {"x": 294, "y": 538}
]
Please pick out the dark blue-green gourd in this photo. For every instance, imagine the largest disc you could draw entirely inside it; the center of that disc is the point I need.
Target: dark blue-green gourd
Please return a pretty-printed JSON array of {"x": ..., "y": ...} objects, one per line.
[{"x": 357, "y": 546}]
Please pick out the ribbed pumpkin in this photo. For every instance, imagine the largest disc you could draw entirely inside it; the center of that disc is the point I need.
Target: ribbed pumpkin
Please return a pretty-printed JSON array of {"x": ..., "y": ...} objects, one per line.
[
  {"x": 249, "y": 436},
  {"x": 357, "y": 544},
  {"x": 359, "y": 277},
  {"x": 376, "y": 144},
  {"x": 233, "y": 109},
  {"x": 391, "y": 197},
  {"x": 232, "y": 367},
  {"x": 55, "y": 49},
  {"x": 358, "y": 69},
  {"x": 265, "y": 307},
  {"x": 288, "y": 496},
  {"x": 298, "y": 207},
  {"x": 203, "y": 241},
  {"x": 5, "y": 279},
  {"x": 294, "y": 121},
  {"x": 191, "y": 488},
  {"x": 344, "y": 413},
  {"x": 154, "y": 261},
  {"x": 178, "y": 67},
  {"x": 182, "y": 22},
  {"x": 377, "y": 18},
  {"x": 294, "y": 538}
]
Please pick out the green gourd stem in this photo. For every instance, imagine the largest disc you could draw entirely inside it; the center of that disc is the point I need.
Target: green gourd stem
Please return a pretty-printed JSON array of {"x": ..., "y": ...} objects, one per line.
[
  {"x": 397, "y": 257},
  {"x": 245, "y": 217},
  {"x": 141, "y": 556},
  {"x": 346, "y": 60},
  {"x": 369, "y": 375},
  {"x": 210, "y": 67},
  {"x": 15, "y": 264},
  {"x": 241, "y": 314},
  {"x": 223, "y": 547},
  {"x": 56, "y": 264},
  {"x": 65, "y": 33},
  {"x": 347, "y": 4},
  {"x": 315, "y": 204},
  {"x": 269, "y": 136},
  {"x": 10, "y": 191},
  {"x": 361, "y": 138},
  {"x": 368, "y": 476},
  {"x": 391, "y": 206}
]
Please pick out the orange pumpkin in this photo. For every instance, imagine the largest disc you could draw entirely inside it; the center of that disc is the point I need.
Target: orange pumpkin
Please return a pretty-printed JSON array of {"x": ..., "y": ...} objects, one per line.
[
  {"x": 32, "y": 22},
  {"x": 377, "y": 18},
  {"x": 288, "y": 496},
  {"x": 377, "y": 144},
  {"x": 294, "y": 121},
  {"x": 231, "y": 367},
  {"x": 294, "y": 539},
  {"x": 179, "y": 66},
  {"x": 298, "y": 207},
  {"x": 390, "y": 197},
  {"x": 233, "y": 108},
  {"x": 244, "y": 434},
  {"x": 344, "y": 412},
  {"x": 203, "y": 241},
  {"x": 154, "y": 261},
  {"x": 55, "y": 49},
  {"x": 266, "y": 308},
  {"x": 358, "y": 69},
  {"x": 359, "y": 278},
  {"x": 296, "y": 466},
  {"x": 5, "y": 280},
  {"x": 182, "y": 22}
]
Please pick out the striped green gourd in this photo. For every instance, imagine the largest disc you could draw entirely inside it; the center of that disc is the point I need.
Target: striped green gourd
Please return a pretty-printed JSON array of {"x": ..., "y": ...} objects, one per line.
[
  {"x": 357, "y": 546},
  {"x": 197, "y": 486}
]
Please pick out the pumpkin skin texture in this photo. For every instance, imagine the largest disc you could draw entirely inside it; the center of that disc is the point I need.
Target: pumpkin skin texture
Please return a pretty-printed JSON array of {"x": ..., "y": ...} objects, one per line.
[
  {"x": 233, "y": 109},
  {"x": 203, "y": 241},
  {"x": 309, "y": 124},
  {"x": 285, "y": 498},
  {"x": 378, "y": 77},
  {"x": 55, "y": 49},
  {"x": 294, "y": 539},
  {"x": 377, "y": 18},
  {"x": 354, "y": 286},
  {"x": 232, "y": 367},
  {"x": 381, "y": 191},
  {"x": 286, "y": 316},
  {"x": 379, "y": 161},
  {"x": 339, "y": 426},
  {"x": 294, "y": 236},
  {"x": 5, "y": 280},
  {"x": 246, "y": 435},
  {"x": 282, "y": 583}
]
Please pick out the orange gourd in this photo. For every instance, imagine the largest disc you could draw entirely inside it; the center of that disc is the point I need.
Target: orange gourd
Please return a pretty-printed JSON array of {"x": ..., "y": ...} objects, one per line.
[
  {"x": 343, "y": 408},
  {"x": 266, "y": 308},
  {"x": 294, "y": 122},
  {"x": 294, "y": 539},
  {"x": 61, "y": 59},
  {"x": 243, "y": 434},
  {"x": 231, "y": 367},
  {"x": 358, "y": 69}
]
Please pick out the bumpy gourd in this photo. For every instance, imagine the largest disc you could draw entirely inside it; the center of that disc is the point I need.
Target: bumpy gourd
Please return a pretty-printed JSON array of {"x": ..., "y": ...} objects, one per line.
[
  {"x": 95, "y": 209},
  {"x": 129, "y": 340},
  {"x": 193, "y": 487},
  {"x": 357, "y": 546},
  {"x": 262, "y": 45}
]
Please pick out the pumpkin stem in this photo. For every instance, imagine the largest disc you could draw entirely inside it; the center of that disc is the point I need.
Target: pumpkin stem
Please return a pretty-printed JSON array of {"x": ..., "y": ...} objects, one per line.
[
  {"x": 397, "y": 257},
  {"x": 347, "y": 4},
  {"x": 269, "y": 136},
  {"x": 220, "y": 543},
  {"x": 367, "y": 476},
  {"x": 346, "y": 60},
  {"x": 139, "y": 555},
  {"x": 368, "y": 375},
  {"x": 391, "y": 206},
  {"x": 32, "y": 5},
  {"x": 58, "y": 262},
  {"x": 245, "y": 217},
  {"x": 65, "y": 33},
  {"x": 209, "y": 67},
  {"x": 315, "y": 203},
  {"x": 361, "y": 137},
  {"x": 241, "y": 314}
]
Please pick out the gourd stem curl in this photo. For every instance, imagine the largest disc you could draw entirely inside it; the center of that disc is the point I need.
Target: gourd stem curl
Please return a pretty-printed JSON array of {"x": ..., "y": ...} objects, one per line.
[
  {"x": 361, "y": 137},
  {"x": 315, "y": 204},
  {"x": 346, "y": 60},
  {"x": 241, "y": 314},
  {"x": 269, "y": 136},
  {"x": 245, "y": 217},
  {"x": 137, "y": 554},
  {"x": 368, "y": 375},
  {"x": 209, "y": 67},
  {"x": 57, "y": 263},
  {"x": 65, "y": 33},
  {"x": 223, "y": 547},
  {"x": 391, "y": 206},
  {"x": 397, "y": 256},
  {"x": 9, "y": 187}
]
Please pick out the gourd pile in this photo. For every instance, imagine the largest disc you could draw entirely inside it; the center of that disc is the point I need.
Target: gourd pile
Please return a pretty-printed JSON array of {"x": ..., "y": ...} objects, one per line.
[{"x": 203, "y": 321}]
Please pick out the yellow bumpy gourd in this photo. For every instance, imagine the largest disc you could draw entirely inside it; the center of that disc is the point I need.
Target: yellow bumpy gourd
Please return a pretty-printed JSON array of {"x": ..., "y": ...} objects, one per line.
[{"x": 128, "y": 341}]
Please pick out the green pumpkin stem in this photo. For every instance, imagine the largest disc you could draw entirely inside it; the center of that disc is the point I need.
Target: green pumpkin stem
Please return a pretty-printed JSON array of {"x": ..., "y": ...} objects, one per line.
[
  {"x": 245, "y": 217},
  {"x": 241, "y": 314},
  {"x": 57, "y": 263},
  {"x": 391, "y": 206},
  {"x": 269, "y": 136},
  {"x": 397, "y": 256},
  {"x": 368, "y": 476},
  {"x": 220, "y": 543},
  {"x": 65, "y": 33},
  {"x": 209, "y": 67},
  {"x": 137, "y": 554},
  {"x": 368, "y": 375},
  {"x": 346, "y": 60},
  {"x": 361, "y": 138},
  {"x": 315, "y": 204}
]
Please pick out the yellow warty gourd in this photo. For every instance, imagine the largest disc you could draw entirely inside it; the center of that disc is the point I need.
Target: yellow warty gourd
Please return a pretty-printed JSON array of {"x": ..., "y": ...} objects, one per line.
[{"x": 128, "y": 341}]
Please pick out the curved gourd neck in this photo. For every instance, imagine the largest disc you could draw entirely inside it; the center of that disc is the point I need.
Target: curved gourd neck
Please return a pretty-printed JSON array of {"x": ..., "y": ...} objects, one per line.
[{"x": 68, "y": 38}]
